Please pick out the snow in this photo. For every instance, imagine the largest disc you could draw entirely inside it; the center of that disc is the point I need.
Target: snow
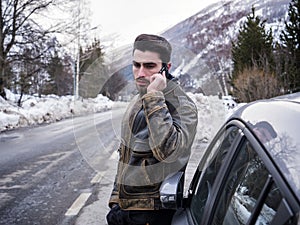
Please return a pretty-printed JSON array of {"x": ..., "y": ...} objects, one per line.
[
  {"x": 51, "y": 108},
  {"x": 46, "y": 109}
]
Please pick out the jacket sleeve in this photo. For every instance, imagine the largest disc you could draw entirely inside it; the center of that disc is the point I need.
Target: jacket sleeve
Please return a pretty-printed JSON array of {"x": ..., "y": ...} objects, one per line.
[
  {"x": 172, "y": 125},
  {"x": 114, "y": 198}
]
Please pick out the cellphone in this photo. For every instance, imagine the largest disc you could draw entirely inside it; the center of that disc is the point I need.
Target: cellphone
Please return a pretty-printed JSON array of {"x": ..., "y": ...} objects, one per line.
[{"x": 165, "y": 68}]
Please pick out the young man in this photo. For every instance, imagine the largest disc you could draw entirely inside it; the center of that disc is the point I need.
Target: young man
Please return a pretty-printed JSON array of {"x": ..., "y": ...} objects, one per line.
[{"x": 157, "y": 133}]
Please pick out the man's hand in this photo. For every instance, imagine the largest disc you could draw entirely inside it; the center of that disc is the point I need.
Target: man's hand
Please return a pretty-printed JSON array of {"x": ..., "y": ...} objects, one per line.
[{"x": 158, "y": 82}]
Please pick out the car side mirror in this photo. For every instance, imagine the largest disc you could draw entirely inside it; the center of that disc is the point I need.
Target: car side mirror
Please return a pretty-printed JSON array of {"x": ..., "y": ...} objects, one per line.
[{"x": 171, "y": 191}]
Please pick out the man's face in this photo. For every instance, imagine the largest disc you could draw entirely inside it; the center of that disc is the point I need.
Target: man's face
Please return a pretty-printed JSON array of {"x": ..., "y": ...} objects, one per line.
[
  {"x": 263, "y": 134},
  {"x": 144, "y": 65}
]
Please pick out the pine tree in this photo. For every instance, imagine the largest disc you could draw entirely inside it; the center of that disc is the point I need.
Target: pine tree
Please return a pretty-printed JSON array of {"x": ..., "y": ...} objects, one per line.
[
  {"x": 253, "y": 62},
  {"x": 90, "y": 55},
  {"x": 253, "y": 47},
  {"x": 290, "y": 38},
  {"x": 92, "y": 70},
  {"x": 60, "y": 74}
]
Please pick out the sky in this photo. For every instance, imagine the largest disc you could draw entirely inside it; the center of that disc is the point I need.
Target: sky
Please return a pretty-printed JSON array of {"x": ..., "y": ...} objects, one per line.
[{"x": 130, "y": 18}]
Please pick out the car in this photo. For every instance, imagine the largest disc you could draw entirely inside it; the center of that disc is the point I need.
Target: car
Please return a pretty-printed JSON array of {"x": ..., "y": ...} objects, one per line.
[
  {"x": 249, "y": 173},
  {"x": 229, "y": 102}
]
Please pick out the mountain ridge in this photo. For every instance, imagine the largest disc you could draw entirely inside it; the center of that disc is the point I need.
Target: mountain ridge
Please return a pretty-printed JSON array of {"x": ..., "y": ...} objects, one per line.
[
  {"x": 202, "y": 45},
  {"x": 208, "y": 35}
]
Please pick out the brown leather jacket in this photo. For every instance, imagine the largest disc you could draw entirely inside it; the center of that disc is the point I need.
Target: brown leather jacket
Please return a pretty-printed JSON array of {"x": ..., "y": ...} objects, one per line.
[{"x": 157, "y": 133}]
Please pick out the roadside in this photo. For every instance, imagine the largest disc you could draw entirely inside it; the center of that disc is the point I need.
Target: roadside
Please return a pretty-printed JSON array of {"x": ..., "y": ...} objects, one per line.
[
  {"x": 213, "y": 111},
  {"x": 95, "y": 213}
]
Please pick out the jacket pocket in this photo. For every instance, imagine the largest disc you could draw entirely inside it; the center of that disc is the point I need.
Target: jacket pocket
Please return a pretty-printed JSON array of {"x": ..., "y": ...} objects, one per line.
[{"x": 138, "y": 178}]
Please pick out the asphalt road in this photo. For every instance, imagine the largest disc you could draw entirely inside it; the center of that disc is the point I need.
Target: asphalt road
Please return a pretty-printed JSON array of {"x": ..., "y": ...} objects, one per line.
[
  {"x": 62, "y": 173},
  {"x": 50, "y": 172}
]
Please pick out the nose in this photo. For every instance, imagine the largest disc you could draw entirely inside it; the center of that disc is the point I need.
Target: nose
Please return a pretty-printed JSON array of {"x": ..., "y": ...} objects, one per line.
[{"x": 141, "y": 72}]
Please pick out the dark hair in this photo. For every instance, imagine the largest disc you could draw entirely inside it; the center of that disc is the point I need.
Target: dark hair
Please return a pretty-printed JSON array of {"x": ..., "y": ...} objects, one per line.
[
  {"x": 267, "y": 126},
  {"x": 154, "y": 43}
]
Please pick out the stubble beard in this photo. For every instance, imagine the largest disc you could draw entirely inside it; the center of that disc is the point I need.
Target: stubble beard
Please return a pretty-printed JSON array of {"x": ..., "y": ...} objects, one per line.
[{"x": 141, "y": 89}]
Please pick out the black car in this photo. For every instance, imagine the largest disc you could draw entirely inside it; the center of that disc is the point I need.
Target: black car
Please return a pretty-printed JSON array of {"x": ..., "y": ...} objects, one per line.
[{"x": 249, "y": 174}]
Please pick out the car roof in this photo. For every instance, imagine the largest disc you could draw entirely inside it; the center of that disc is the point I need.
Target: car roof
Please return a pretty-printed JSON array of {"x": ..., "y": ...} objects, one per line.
[{"x": 282, "y": 114}]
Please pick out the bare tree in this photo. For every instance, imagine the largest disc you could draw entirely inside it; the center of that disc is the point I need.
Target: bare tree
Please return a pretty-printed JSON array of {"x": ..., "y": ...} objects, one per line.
[
  {"x": 253, "y": 84},
  {"x": 25, "y": 24}
]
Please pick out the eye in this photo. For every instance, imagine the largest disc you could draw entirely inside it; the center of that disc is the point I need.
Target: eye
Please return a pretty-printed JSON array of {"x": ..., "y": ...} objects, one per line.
[
  {"x": 149, "y": 65},
  {"x": 136, "y": 64}
]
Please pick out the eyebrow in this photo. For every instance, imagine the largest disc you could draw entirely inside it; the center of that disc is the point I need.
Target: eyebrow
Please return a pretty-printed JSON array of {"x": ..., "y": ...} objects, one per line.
[{"x": 145, "y": 63}]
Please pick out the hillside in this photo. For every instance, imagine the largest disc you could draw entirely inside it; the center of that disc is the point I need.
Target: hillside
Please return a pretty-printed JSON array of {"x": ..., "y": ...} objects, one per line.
[
  {"x": 202, "y": 45},
  {"x": 207, "y": 37}
]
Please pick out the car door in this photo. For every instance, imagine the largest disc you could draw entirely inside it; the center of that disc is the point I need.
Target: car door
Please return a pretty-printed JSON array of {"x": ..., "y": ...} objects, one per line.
[
  {"x": 211, "y": 165},
  {"x": 238, "y": 184}
]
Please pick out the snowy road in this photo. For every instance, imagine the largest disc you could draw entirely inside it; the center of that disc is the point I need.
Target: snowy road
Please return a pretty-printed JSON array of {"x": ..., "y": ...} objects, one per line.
[
  {"x": 47, "y": 173},
  {"x": 44, "y": 170}
]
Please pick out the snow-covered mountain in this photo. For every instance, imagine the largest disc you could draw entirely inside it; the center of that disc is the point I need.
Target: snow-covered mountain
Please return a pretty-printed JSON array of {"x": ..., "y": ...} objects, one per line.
[
  {"x": 207, "y": 35},
  {"x": 202, "y": 43}
]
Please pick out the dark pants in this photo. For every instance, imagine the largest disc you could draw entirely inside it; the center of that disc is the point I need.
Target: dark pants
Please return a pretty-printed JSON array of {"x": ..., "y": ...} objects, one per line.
[{"x": 117, "y": 216}]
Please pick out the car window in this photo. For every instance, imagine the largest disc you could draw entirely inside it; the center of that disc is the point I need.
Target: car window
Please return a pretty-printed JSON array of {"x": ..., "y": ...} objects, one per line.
[
  {"x": 211, "y": 167},
  {"x": 247, "y": 180}
]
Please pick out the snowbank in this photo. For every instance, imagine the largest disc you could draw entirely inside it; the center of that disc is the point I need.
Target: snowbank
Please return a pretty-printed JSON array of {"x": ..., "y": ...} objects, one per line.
[{"x": 47, "y": 109}]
